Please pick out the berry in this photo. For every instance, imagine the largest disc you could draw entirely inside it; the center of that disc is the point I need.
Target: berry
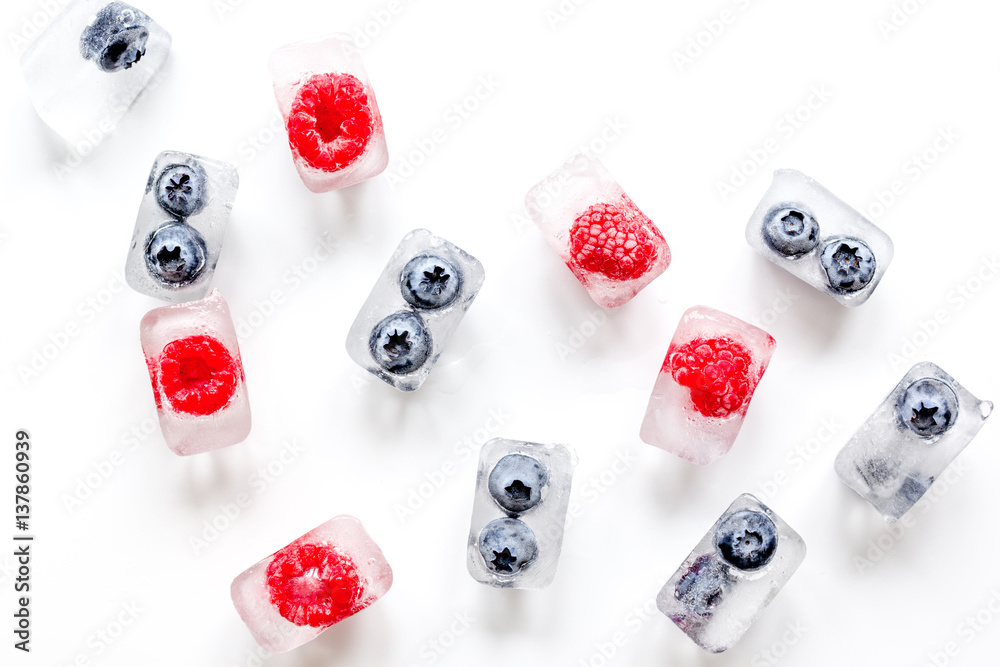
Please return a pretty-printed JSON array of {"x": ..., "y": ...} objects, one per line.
[
  {"x": 331, "y": 121},
  {"x": 507, "y": 546},
  {"x": 115, "y": 39},
  {"x": 703, "y": 586},
  {"x": 516, "y": 482},
  {"x": 717, "y": 371},
  {"x": 180, "y": 189},
  {"x": 400, "y": 343},
  {"x": 615, "y": 240},
  {"x": 746, "y": 539},
  {"x": 430, "y": 282},
  {"x": 314, "y": 584},
  {"x": 198, "y": 375},
  {"x": 928, "y": 407},
  {"x": 849, "y": 264},
  {"x": 791, "y": 232},
  {"x": 175, "y": 254}
]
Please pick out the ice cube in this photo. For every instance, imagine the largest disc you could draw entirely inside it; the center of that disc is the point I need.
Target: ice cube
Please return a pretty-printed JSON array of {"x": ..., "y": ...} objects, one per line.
[
  {"x": 519, "y": 511},
  {"x": 85, "y": 70},
  {"x": 916, "y": 432},
  {"x": 333, "y": 123},
  {"x": 180, "y": 227},
  {"x": 197, "y": 375},
  {"x": 292, "y": 596},
  {"x": 705, "y": 385},
  {"x": 417, "y": 303},
  {"x": 611, "y": 247},
  {"x": 803, "y": 228},
  {"x": 732, "y": 575}
]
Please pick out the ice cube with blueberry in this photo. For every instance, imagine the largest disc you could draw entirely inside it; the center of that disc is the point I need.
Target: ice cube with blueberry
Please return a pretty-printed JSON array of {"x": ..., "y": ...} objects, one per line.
[
  {"x": 330, "y": 573},
  {"x": 180, "y": 227},
  {"x": 733, "y": 573},
  {"x": 414, "y": 308},
  {"x": 196, "y": 372},
  {"x": 909, "y": 441},
  {"x": 704, "y": 386},
  {"x": 334, "y": 126},
  {"x": 90, "y": 64},
  {"x": 806, "y": 230},
  {"x": 611, "y": 247},
  {"x": 519, "y": 511}
]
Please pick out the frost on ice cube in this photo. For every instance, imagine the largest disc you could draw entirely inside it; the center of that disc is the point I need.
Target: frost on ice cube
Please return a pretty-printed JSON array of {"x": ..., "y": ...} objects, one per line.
[
  {"x": 917, "y": 431},
  {"x": 803, "y": 228},
  {"x": 85, "y": 70},
  {"x": 705, "y": 384},
  {"x": 519, "y": 511},
  {"x": 197, "y": 375},
  {"x": 412, "y": 312},
  {"x": 732, "y": 575},
  {"x": 292, "y": 596},
  {"x": 180, "y": 227},
  {"x": 333, "y": 122},
  {"x": 611, "y": 247}
]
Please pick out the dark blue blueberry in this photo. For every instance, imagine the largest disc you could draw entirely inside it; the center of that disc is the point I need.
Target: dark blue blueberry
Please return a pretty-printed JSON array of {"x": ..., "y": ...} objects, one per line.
[
  {"x": 791, "y": 232},
  {"x": 928, "y": 407},
  {"x": 430, "y": 282},
  {"x": 115, "y": 39},
  {"x": 849, "y": 264},
  {"x": 400, "y": 343},
  {"x": 746, "y": 539},
  {"x": 175, "y": 254},
  {"x": 180, "y": 189},
  {"x": 703, "y": 586},
  {"x": 516, "y": 482},
  {"x": 507, "y": 546}
]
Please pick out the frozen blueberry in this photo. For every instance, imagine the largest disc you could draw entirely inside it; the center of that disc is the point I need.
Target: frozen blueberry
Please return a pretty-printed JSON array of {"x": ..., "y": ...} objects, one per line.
[
  {"x": 115, "y": 39},
  {"x": 400, "y": 343},
  {"x": 703, "y": 586},
  {"x": 849, "y": 264},
  {"x": 180, "y": 189},
  {"x": 746, "y": 539},
  {"x": 516, "y": 482},
  {"x": 791, "y": 232},
  {"x": 507, "y": 546},
  {"x": 175, "y": 254},
  {"x": 928, "y": 407},
  {"x": 430, "y": 282}
]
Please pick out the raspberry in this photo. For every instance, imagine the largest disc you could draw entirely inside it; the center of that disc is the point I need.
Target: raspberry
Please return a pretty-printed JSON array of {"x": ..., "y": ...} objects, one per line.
[
  {"x": 198, "y": 375},
  {"x": 615, "y": 240},
  {"x": 331, "y": 121},
  {"x": 716, "y": 370},
  {"x": 314, "y": 584}
]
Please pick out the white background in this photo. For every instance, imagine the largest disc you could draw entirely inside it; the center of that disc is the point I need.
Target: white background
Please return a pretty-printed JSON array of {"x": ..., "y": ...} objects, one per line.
[{"x": 366, "y": 448}]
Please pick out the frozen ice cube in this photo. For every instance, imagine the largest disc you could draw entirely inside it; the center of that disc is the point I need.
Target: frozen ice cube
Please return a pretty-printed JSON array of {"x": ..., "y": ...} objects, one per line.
[
  {"x": 180, "y": 227},
  {"x": 803, "y": 228},
  {"x": 611, "y": 247},
  {"x": 292, "y": 596},
  {"x": 417, "y": 303},
  {"x": 519, "y": 511},
  {"x": 85, "y": 70},
  {"x": 705, "y": 385},
  {"x": 333, "y": 123},
  {"x": 197, "y": 375},
  {"x": 732, "y": 575},
  {"x": 917, "y": 431}
]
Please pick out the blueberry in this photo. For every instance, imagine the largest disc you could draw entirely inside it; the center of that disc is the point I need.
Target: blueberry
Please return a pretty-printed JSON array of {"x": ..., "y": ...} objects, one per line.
[
  {"x": 115, "y": 39},
  {"x": 928, "y": 407},
  {"x": 400, "y": 343},
  {"x": 516, "y": 482},
  {"x": 175, "y": 254},
  {"x": 507, "y": 546},
  {"x": 849, "y": 264},
  {"x": 430, "y": 282},
  {"x": 180, "y": 189},
  {"x": 746, "y": 539},
  {"x": 703, "y": 586},
  {"x": 791, "y": 232}
]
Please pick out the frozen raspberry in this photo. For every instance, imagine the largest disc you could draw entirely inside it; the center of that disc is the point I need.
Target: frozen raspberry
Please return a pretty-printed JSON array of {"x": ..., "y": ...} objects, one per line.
[
  {"x": 615, "y": 240},
  {"x": 331, "y": 121},
  {"x": 717, "y": 371},
  {"x": 314, "y": 584},
  {"x": 198, "y": 375}
]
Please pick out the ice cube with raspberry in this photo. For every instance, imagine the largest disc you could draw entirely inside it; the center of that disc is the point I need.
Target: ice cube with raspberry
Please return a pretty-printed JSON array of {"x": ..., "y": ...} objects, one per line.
[
  {"x": 330, "y": 573},
  {"x": 331, "y": 116},
  {"x": 611, "y": 247},
  {"x": 910, "y": 440},
  {"x": 704, "y": 386},
  {"x": 197, "y": 375}
]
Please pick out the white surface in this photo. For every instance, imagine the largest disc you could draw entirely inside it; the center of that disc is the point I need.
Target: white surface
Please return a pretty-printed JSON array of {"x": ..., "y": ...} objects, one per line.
[{"x": 529, "y": 360}]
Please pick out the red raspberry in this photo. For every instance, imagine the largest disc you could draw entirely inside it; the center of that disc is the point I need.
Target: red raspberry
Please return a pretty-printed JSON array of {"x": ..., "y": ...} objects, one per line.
[
  {"x": 198, "y": 375},
  {"x": 314, "y": 584},
  {"x": 331, "y": 121},
  {"x": 717, "y": 371},
  {"x": 615, "y": 240}
]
